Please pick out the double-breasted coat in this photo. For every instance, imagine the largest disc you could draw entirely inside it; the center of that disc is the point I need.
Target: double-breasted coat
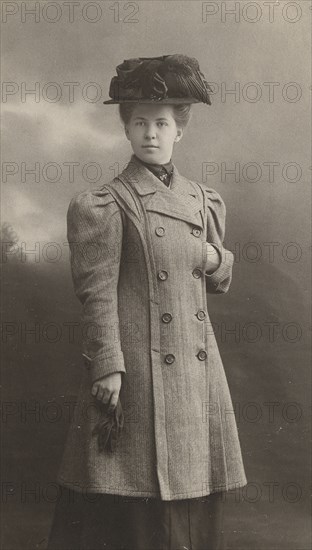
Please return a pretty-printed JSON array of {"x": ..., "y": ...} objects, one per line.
[{"x": 139, "y": 260}]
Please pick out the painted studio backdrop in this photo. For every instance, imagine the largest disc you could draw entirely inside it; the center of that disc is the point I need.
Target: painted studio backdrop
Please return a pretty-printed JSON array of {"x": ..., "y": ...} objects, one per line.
[{"x": 252, "y": 145}]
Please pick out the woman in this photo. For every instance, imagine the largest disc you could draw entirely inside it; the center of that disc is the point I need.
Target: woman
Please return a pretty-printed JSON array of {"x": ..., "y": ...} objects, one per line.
[{"x": 153, "y": 448}]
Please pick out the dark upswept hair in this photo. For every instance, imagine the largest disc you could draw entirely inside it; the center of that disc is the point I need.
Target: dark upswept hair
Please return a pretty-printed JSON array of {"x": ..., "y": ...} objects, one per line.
[{"x": 181, "y": 113}]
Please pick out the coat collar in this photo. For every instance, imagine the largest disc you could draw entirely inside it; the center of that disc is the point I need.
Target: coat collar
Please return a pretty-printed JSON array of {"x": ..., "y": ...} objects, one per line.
[{"x": 181, "y": 200}]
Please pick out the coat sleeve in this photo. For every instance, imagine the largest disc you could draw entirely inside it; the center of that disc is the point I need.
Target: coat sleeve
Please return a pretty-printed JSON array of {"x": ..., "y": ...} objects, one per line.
[
  {"x": 94, "y": 233},
  {"x": 219, "y": 281}
]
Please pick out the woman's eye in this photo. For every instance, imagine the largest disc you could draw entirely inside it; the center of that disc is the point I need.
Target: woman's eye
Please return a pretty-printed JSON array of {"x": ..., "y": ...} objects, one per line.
[
  {"x": 162, "y": 124},
  {"x": 139, "y": 123}
]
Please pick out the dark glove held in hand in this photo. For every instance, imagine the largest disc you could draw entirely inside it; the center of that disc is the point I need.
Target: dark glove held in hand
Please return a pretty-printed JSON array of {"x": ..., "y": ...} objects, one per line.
[{"x": 109, "y": 427}]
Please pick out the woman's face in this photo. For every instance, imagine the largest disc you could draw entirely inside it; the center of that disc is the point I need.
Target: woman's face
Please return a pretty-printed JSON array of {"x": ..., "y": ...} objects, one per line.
[{"x": 152, "y": 132}]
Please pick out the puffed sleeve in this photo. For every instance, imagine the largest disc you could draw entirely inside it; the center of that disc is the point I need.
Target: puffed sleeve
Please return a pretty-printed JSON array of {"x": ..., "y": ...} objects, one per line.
[
  {"x": 219, "y": 281},
  {"x": 94, "y": 233}
]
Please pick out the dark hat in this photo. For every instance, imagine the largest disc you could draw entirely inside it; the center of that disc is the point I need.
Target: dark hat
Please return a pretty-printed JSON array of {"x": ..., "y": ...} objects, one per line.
[{"x": 166, "y": 79}]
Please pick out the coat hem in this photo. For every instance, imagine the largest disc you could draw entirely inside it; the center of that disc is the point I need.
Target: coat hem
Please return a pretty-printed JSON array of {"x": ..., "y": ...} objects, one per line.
[{"x": 151, "y": 494}]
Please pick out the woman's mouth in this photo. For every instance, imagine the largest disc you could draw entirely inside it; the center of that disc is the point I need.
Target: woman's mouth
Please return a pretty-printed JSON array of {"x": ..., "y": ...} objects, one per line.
[{"x": 150, "y": 146}]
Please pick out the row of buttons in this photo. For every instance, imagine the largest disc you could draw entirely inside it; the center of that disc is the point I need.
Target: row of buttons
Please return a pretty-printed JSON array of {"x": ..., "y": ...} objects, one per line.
[
  {"x": 167, "y": 317},
  {"x": 170, "y": 358},
  {"x": 163, "y": 274},
  {"x": 160, "y": 231}
]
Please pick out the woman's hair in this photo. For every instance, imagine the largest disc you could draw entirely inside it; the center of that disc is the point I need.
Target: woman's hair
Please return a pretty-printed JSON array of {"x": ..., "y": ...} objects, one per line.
[{"x": 181, "y": 113}]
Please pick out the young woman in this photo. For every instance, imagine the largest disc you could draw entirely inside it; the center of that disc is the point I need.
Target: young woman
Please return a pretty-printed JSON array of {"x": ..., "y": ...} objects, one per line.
[{"x": 153, "y": 446}]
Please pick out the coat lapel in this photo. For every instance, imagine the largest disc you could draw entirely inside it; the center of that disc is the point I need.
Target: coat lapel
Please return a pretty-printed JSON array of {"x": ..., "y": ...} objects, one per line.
[{"x": 180, "y": 201}]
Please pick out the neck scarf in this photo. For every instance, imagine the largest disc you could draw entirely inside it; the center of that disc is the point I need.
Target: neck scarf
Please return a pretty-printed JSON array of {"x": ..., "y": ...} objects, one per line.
[{"x": 162, "y": 171}]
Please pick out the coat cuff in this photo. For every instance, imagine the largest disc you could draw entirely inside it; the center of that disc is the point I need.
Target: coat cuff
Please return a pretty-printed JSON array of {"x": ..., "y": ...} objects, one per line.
[
  {"x": 219, "y": 281},
  {"x": 102, "y": 365}
]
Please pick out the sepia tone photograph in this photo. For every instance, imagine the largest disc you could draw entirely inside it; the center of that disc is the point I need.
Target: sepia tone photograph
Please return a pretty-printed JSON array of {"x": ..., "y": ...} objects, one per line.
[{"x": 156, "y": 275}]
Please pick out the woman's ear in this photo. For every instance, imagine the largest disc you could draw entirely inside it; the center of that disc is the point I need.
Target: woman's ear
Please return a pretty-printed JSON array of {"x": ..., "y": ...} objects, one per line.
[{"x": 179, "y": 134}]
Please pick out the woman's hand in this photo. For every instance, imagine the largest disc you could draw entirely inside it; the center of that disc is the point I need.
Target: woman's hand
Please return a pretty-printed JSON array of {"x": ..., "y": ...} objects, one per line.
[{"x": 107, "y": 389}]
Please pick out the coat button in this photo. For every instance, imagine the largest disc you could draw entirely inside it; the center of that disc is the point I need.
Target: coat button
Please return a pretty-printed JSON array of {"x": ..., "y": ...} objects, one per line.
[
  {"x": 169, "y": 359},
  {"x": 197, "y": 273},
  {"x": 196, "y": 232},
  {"x": 162, "y": 275},
  {"x": 202, "y": 355},
  {"x": 160, "y": 231},
  {"x": 166, "y": 317},
  {"x": 201, "y": 314}
]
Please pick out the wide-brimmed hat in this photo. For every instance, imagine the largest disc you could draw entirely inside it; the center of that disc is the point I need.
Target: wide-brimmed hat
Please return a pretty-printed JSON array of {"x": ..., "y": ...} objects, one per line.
[{"x": 166, "y": 79}]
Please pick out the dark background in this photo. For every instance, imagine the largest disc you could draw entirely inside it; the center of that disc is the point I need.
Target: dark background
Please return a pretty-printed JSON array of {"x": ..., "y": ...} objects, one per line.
[{"x": 268, "y": 306}]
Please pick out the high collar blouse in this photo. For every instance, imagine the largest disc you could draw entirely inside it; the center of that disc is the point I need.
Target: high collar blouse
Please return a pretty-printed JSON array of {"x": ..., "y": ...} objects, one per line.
[{"x": 162, "y": 171}]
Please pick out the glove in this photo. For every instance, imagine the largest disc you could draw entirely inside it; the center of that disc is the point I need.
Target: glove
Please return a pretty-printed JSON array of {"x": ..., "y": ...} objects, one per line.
[{"x": 109, "y": 427}]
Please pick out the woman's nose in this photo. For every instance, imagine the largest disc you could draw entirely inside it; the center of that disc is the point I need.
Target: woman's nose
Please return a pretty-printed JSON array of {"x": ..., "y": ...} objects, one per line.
[{"x": 150, "y": 132}]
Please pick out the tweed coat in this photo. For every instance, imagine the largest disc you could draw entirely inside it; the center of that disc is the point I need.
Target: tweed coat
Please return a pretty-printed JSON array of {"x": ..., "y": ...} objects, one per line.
[{"x": 139, "y": 260}]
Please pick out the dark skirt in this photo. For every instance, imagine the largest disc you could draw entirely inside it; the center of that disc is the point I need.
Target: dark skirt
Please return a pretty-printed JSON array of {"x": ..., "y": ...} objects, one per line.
[{"x": 96, "y": 521}]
